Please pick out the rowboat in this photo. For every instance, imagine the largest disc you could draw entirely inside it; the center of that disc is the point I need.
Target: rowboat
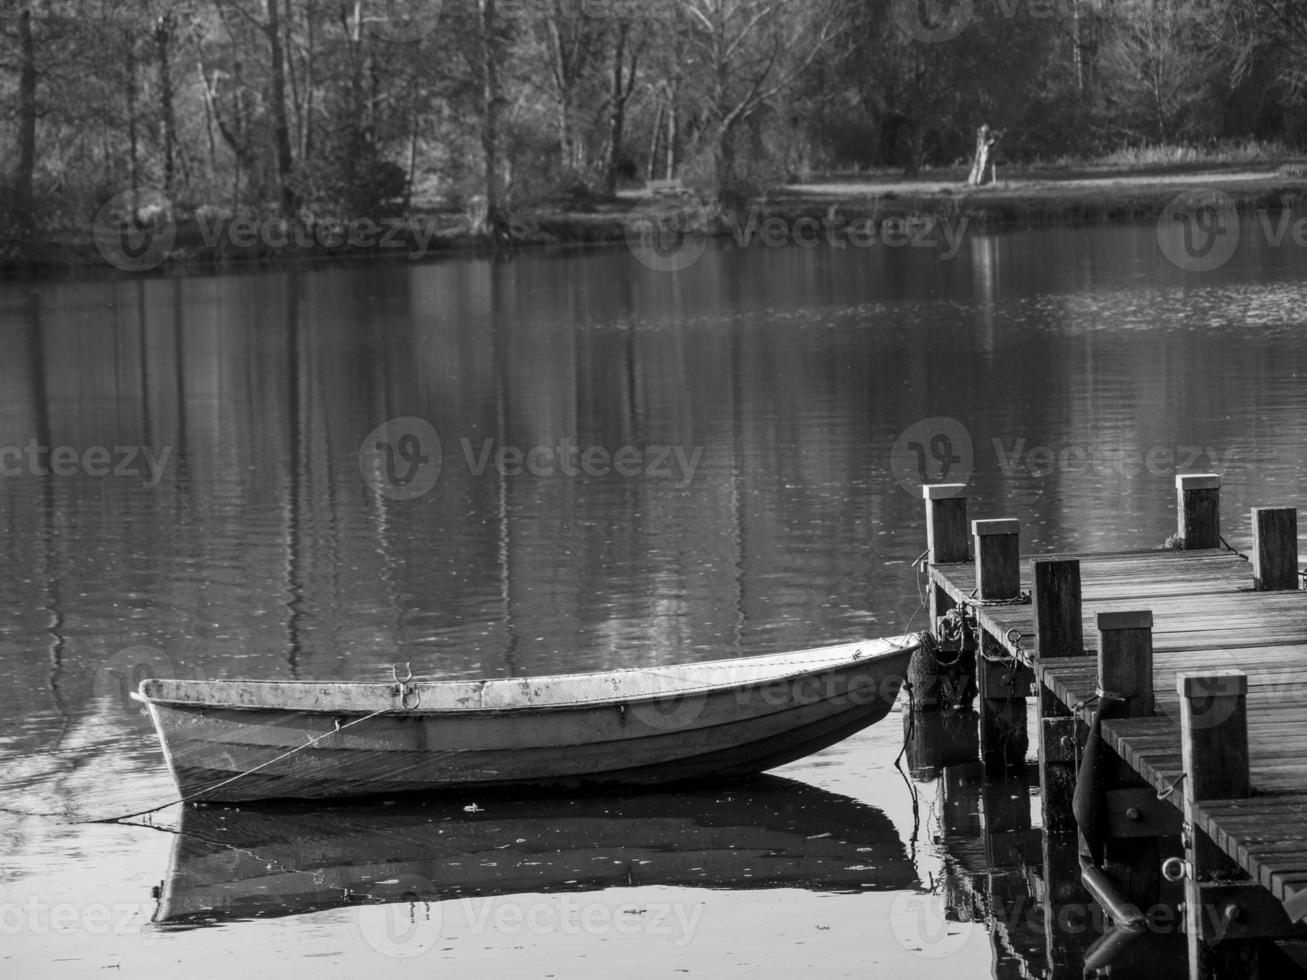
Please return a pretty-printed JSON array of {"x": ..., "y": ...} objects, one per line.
[
  {"x": 230, "y": 741},
  {"x": 230, "y": 864}
]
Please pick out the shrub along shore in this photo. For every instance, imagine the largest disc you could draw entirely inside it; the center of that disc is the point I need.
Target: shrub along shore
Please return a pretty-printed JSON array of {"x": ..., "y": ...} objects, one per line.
[{"x": 1019, "y": 199}]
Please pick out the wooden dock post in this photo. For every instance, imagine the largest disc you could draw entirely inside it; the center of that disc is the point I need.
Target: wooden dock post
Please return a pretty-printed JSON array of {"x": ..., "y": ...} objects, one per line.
[
  {"x": 946, "y": 543},
  {"x": 1059, "y": 633},
  {"x": 946, "y": 535},
  {"x": 1214, "y": 745},
  {"x": 1136, "y": 821},
  {"x": 946, "y": 522},
  {"x": 998, "y": 558},
  {"x": 1275, "y": 548},
  {"x": 1003, "y": 738},
  {"x": 1198, "y": 510},
  {"x": 1125, "y": 660}
]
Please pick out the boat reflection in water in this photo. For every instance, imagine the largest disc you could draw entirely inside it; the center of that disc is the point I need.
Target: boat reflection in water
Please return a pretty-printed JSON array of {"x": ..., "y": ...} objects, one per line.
[{"x": 231, "y": 864}]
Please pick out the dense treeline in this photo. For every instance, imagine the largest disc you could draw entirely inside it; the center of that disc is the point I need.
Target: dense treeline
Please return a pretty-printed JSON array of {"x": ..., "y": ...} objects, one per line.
[{"x": 377, "y": 106}]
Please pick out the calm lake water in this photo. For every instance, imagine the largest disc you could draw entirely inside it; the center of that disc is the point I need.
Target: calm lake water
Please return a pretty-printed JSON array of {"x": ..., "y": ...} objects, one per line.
[{"x": 560, "y": 463}]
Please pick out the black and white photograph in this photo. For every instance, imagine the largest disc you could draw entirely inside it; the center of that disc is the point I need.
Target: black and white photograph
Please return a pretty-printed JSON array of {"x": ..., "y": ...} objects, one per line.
[{"x": 574, "y": 489}]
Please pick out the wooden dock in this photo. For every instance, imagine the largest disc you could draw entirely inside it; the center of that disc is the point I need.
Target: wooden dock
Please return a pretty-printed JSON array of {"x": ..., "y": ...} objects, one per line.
[{"x": 1171, "y": 687}]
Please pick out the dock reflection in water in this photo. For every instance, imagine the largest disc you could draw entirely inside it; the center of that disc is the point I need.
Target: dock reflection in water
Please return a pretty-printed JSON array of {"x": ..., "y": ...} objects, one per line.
[{"x": 232, "y": 864}]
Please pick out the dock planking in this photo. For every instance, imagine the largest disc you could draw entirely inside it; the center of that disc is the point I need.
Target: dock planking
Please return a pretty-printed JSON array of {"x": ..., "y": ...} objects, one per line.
[{"x": 1208, "y": 616}]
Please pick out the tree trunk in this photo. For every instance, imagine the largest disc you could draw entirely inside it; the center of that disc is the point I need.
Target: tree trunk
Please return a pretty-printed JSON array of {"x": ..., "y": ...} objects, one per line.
[
  {"x": 280, "y": 124},
  {"x": 133, "y": 143},
  {"x": 673, "y": 134},
  {"x": 724, "y": 157},
  {"x": 982, "y": 165},
  {"x": 493, "y": 222},
  {"x": 621, "y": 92},
  {"x": 651, "y": 172},
  {"x": 163, "y": 29},
  {"x": 306, "y": 127},
  {"x": 25, "y": 176}
]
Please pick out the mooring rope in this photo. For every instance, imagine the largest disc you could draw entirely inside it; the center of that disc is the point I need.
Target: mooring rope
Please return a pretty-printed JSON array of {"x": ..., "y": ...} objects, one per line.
[
  {"x": 912, "y": 724},
  {"x": 240, "y": 775},
  {"x": 1231, "y": 548}
]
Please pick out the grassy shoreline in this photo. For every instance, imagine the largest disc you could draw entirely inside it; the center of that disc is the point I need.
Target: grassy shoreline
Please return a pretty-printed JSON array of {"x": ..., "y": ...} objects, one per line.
[{"x": 1022, "y": 198}]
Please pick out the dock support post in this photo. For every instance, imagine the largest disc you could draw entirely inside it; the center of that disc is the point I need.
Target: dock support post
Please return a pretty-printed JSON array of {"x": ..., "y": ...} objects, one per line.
[
  {"x": 946, "y": 522},
  {"x": 998, "y": 558},
  {"x": 1125, "y": 675},
  {"x": 1214, "y": 744},
  {"x": 1125, "y": 661},
  {"x": 946, "y": 535},
  {"x": 1059, "y": 633},
  {"x": 1003, "y": 738},
  {"x": 1002, "y": 690},
  {"x": 1275, "y": 548},
  {"x": 946, "y": 543},
  {"x": 1198, "y": 506}
]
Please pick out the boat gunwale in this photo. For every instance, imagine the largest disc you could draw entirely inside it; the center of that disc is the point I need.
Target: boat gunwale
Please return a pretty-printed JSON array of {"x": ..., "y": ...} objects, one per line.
[{"x": 909, "y": 644}]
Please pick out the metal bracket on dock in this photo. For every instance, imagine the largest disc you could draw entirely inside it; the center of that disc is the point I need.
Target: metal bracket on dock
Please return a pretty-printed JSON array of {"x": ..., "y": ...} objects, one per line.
[
  {"x": 1244, "y": 910},
  {"x": 1059, "y": 744},
  {"x": 1137, "y": 812}
]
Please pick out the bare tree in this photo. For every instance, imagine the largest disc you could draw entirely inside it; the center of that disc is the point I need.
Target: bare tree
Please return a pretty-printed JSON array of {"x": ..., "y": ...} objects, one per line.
[
  {"x": 625, "y": 64},
  {"x": 1161, "y": 59},
  {"x": 749, "y": 52}
]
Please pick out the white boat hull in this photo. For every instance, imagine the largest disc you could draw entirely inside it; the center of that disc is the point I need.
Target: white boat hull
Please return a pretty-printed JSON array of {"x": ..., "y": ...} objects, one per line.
[{"x": 232, "y": 741}]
